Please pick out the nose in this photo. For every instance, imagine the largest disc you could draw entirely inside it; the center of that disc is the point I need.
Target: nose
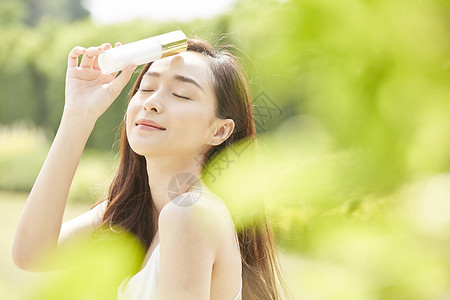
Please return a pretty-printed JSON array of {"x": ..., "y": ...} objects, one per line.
[{"x": 152, "y": 103}]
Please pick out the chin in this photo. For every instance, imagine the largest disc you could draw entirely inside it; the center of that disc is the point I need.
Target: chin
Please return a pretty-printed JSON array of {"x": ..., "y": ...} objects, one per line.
[
  {"x": 146, "y": 150},
  {"x": 146, "y": 146}
]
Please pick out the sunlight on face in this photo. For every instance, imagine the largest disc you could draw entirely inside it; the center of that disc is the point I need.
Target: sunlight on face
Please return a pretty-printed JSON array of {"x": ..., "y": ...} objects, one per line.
[{"x": 176, "y": 95}]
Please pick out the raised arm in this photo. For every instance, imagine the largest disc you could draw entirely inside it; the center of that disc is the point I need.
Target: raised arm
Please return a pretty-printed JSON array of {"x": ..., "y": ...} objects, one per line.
[{"x": 89, "y": 93}]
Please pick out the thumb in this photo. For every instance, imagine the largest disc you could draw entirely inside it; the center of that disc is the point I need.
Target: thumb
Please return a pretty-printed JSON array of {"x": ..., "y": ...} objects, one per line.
[{"x": 117, "y": 85}]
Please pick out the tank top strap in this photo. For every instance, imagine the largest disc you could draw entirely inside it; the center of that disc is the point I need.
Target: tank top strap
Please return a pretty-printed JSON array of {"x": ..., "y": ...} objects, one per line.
[{"x": 240, "y": 290}]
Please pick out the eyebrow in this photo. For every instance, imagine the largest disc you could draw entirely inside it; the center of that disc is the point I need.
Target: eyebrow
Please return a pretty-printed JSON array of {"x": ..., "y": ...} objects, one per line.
[{"x": 177, "y": 77}]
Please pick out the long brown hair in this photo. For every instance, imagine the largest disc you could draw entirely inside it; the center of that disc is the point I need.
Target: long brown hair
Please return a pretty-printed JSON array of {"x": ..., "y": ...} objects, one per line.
[{"x": 130, "y": 205}]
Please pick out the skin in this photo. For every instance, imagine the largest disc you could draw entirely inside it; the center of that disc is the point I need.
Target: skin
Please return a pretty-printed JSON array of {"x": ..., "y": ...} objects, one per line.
[
  {"x": 199, "y": 254},
  {"x": 190, "y": 123}
]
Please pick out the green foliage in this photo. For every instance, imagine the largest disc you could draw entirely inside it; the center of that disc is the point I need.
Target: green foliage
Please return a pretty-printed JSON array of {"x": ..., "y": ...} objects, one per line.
[
  {"x": 22, "y": 155},
  {"x": 94, "y": 267},
  {"x": 11, "y": 11},
  {"x": 31, "y": 12},
  {"x": 356, "y": 180},
  {"x": 373, "y": 74}
]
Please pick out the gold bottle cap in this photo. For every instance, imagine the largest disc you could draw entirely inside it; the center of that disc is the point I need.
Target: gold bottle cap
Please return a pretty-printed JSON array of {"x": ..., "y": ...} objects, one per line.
[{"x": 173, "y": 43}]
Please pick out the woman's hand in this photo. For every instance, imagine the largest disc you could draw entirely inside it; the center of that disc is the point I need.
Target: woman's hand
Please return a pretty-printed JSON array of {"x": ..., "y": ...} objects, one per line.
[{"x": 89, "y": 92}]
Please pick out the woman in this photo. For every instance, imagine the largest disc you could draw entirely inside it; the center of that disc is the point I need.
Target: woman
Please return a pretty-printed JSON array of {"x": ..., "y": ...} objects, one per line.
[{"x": 183, "y": 109}]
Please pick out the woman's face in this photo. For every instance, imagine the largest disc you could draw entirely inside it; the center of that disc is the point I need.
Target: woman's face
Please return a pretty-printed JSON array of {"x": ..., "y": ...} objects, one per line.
[{"x": 177, "y": 94}]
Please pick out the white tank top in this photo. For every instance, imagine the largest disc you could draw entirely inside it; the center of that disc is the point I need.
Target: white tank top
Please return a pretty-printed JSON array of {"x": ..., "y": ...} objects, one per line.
[{"x": 144, "y": 284}]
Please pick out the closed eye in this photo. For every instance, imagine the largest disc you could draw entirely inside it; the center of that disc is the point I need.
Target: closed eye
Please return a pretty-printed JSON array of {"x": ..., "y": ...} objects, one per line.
[
  {"x": 146, "y": 91},
  {"x": 182, "y": 97}
]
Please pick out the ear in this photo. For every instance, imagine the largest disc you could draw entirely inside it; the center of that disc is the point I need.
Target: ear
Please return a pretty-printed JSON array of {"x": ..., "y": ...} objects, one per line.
[{"x": 224, "y": 129}]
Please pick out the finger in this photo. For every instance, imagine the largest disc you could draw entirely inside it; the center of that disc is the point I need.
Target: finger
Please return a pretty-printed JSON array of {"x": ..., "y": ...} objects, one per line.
[
  {"x": 73, "y": 56},
  {"x": 95, "y": 64},
  {"x": 88, "y": 57},
  {"x": 116, "y": 86},
  {"x": 104, "y": 47}
]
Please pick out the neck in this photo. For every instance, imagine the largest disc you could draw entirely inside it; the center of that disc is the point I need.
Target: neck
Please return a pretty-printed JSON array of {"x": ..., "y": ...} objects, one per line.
[{"x": 170, "y": 177}]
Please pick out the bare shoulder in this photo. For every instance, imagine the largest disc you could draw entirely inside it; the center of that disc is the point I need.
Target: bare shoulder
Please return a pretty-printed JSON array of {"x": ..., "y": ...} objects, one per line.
[
  {"x": 190, "y": 236},
  {"x": 196, "y": 241},
  {"x": 197, "y": 216}
]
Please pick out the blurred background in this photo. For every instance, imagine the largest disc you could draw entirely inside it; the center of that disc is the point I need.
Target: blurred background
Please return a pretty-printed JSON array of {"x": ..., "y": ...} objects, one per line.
[{"x": 352, "y": 107}]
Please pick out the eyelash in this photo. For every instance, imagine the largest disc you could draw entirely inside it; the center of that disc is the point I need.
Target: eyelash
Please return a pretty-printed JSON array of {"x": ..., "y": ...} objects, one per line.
[
  {"x": 145, "y": 91},
  {"x": 182, "y": 97},
  {"x": 149, "y": 91}
]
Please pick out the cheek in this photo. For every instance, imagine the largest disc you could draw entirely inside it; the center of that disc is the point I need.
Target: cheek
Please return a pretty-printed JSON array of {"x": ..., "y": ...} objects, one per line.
[
  {"x": 132, "y": 110},
  {"x": 191, "y": 123}
]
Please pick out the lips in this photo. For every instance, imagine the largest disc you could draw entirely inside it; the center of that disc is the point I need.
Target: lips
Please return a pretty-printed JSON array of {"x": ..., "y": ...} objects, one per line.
[{"x": 149, "y": 123}]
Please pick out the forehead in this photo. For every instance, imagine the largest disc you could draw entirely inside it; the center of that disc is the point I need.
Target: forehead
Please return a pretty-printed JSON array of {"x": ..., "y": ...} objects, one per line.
[{"x": 188, "y": 63}]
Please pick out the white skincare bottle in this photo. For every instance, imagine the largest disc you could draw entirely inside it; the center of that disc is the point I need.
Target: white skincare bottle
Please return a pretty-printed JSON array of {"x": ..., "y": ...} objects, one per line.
[{"x": 143, "y": 51}]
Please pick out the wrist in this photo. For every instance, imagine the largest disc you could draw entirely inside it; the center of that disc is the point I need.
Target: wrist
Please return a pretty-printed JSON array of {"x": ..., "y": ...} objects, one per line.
[{"x": 78, "y": 121}]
